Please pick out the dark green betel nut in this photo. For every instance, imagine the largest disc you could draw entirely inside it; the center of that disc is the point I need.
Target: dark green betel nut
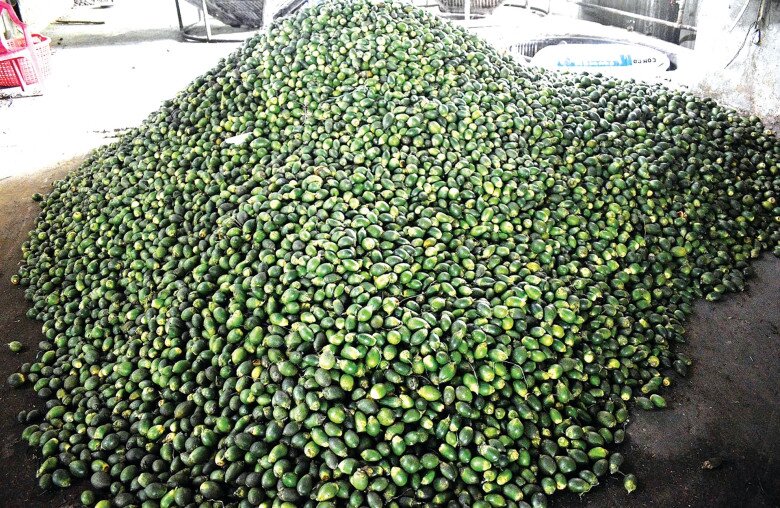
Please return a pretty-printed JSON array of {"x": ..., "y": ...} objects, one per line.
[{"x": 368, "y": 260}]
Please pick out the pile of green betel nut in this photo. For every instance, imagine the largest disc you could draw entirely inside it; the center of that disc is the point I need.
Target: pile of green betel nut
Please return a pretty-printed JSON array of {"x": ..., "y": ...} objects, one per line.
[{"x": 369, "y": 261}]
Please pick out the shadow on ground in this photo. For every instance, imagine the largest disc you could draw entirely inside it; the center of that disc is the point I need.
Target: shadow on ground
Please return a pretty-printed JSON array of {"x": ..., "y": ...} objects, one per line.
[{"x": 83, "y": 40}]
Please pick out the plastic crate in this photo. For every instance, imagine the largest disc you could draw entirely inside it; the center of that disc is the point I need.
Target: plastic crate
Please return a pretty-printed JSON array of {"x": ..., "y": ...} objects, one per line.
[{"x": 42, "y": 50}]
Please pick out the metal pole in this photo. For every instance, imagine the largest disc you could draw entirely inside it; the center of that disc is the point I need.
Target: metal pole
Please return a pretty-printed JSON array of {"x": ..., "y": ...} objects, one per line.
[
  {"x": 206, "y": 19},
  {"x": 467, "y": 11},
  {"x": 178, "y": 13},
  {"x": 680, "y": 11},
  {"x": 635, "y": 16}
]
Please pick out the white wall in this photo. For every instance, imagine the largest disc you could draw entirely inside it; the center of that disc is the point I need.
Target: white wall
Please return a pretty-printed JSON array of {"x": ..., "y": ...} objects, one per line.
[{"x": 751, "y": 83}]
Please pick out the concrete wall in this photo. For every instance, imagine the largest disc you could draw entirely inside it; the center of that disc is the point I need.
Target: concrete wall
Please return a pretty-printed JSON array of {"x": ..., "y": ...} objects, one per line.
[{"x": 751, "y": 83}]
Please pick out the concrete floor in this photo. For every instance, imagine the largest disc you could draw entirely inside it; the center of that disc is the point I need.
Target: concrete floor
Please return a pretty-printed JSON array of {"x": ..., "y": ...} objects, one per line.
[
  {"x": 111, "y": 76},
  {"x": 104, "y": 78}
]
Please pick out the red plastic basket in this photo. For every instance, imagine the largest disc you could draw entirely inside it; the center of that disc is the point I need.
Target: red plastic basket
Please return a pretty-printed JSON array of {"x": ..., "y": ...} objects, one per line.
[{"x": 42, "y": 50}]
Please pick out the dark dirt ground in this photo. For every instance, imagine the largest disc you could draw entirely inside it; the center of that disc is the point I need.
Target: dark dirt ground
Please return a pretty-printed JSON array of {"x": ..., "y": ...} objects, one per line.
[
  {"x": 18, "y": 485},
  {"x": 729, "y": 406}
]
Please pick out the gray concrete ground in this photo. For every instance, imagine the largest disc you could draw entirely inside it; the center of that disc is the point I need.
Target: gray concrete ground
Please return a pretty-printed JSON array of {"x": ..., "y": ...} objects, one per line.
[{"x": 104, "y": 78}]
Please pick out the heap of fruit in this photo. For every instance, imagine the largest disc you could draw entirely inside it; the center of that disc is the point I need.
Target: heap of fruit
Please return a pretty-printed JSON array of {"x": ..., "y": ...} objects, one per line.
[{"x": 369, "y": 261}]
